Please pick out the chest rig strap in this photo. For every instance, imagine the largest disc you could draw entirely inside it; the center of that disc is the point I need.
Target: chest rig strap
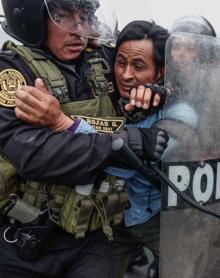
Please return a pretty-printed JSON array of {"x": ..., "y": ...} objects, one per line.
[
  {"x": 95, "y": 73},
  {"x": 42, "y": 67}
]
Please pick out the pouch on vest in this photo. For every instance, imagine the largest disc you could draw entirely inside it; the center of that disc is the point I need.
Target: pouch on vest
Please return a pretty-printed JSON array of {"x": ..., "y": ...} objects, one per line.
[
  {"x": 110, "y": 204},
  {"x": 100, "y": 197},
  {"x": 75, "y": 214},
  {"x": 8, "y": 180}
]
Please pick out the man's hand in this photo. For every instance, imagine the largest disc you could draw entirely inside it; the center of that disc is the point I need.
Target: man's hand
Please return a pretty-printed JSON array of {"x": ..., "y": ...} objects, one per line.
[
  {"x": 146, "y": 96},
  {"x": 37, "y": 106},
  {"x": 147, "y": 143}
]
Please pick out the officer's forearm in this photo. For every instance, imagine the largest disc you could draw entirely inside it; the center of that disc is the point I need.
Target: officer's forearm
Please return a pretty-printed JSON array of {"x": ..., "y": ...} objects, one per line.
[{"x": 61, "y": 158}]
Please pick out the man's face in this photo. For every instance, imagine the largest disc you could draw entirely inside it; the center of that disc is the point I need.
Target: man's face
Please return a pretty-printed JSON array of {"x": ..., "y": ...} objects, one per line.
[
  {"x": 134, "y": 65},
  {"x": 63, "y": 44},
  {"x": 183, "y": 52}
]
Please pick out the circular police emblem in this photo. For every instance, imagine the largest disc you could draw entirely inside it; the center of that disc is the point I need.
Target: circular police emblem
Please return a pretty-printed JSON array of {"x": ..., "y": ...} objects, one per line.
[{"x": 10, "y": 80}]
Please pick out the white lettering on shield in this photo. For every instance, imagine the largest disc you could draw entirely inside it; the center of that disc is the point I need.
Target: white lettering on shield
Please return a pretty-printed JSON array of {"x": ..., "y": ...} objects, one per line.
[{"x": 183, "y": 177}]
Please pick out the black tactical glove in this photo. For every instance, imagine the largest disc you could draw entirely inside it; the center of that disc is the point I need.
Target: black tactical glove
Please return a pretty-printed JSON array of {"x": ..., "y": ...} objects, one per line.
[
  {"x": 161, "y": 90},
  {"x": 138, "y": 114},
  {"x": 147, "y": 143}
]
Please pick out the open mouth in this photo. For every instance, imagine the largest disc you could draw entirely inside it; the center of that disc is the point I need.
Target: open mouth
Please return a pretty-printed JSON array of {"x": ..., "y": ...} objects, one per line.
[
  {"x": 74, "y": 47},
  {"x": 126, "y": 87}
]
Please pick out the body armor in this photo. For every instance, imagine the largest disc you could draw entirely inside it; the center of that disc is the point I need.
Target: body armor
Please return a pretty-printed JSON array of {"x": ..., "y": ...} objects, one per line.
[{"x": 75, "y": 212}]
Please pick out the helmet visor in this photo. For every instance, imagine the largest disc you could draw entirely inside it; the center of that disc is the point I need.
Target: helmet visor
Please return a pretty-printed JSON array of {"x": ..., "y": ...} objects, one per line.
[{"x": 86, "y": 18}]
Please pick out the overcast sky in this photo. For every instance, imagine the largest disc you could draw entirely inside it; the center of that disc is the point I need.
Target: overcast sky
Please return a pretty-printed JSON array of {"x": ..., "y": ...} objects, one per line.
[{"x": 164, "y": 12}]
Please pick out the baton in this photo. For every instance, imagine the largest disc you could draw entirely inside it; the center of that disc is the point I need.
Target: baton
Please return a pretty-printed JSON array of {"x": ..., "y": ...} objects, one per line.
[{"x": 118, "y": 145}]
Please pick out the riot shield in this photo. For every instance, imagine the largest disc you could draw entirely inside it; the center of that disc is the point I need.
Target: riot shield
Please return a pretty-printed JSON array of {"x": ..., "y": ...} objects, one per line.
[{"x": 190, "y": 239}]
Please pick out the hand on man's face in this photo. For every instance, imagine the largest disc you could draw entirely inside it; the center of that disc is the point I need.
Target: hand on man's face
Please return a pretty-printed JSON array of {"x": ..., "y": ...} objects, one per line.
[{"x": 141, "y": 97}]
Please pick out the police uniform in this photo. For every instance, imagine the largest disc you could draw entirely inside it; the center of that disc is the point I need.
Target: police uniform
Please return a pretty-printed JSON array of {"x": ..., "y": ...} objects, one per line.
[
  {"x": 65, "y": 158},
  {"x": 55, "y": 171},
  {"x": 48, "y": 227}
]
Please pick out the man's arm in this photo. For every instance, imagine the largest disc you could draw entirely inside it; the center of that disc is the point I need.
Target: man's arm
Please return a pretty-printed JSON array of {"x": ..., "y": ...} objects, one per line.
[
  {"x": 57, "y": 157},
  {"x": 62, "y": 158},
  {"x": 66, "y": 157},
  {"x": 44, "y": 155},
  {"x": 41, "y": 108}
]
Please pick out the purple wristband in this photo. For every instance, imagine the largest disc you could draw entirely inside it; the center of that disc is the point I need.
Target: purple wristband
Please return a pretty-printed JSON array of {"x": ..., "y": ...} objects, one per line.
[{"x": 74, "y": 126}]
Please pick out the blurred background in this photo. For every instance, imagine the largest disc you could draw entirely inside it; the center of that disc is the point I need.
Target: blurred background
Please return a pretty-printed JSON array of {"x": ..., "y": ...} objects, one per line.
[{"x": 163, "y": 12}]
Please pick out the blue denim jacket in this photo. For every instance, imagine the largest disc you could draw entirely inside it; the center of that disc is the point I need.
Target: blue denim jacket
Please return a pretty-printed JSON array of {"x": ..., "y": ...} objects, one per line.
[{"x": 144, "y": 198}]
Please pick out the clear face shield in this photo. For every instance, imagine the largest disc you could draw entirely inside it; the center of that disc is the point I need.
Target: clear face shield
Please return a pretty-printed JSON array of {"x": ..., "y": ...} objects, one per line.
[{"x": 93, "y": 19}]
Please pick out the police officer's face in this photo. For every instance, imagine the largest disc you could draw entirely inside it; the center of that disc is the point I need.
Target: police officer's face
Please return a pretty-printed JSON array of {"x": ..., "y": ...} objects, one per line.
[
  {"x": 183, "y": 52},
  {"x": 64, "y": 45},
  {"x": 134, "y": 65}
]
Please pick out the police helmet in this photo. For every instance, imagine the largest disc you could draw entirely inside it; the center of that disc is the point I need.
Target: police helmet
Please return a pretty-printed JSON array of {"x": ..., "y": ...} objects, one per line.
[
  {"x": 193, "y": 24},
  {"x": 25, "y": 20}
]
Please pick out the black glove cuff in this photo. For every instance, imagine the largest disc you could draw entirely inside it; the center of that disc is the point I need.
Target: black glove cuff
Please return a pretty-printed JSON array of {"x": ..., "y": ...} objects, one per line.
[
  {"x": 115, "y": 157},
  {"x": 135, "y": 141},
  {"x": 123, "y": 135},
  {"x": 161, "y": 90}
]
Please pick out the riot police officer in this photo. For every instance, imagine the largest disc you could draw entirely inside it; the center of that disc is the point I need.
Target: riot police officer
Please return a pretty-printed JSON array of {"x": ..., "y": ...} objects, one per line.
[
  {"x": 182, "y": 58},
  {"x": 44, "y": 219},
  {"x": 196, "y": 24},
  {"x": 192, "y": 55}
]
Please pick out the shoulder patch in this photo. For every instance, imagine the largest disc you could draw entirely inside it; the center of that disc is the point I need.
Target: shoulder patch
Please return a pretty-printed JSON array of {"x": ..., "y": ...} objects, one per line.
[{"x": 10, "y": 80}]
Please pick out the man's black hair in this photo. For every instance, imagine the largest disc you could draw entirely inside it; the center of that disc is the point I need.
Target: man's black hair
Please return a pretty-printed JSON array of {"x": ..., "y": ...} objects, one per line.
[{"x": 139, "y": 30}]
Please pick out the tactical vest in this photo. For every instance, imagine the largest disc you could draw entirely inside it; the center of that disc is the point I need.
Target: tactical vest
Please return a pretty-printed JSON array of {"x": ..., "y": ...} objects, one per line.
[{"x": 75, "y": 212}]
